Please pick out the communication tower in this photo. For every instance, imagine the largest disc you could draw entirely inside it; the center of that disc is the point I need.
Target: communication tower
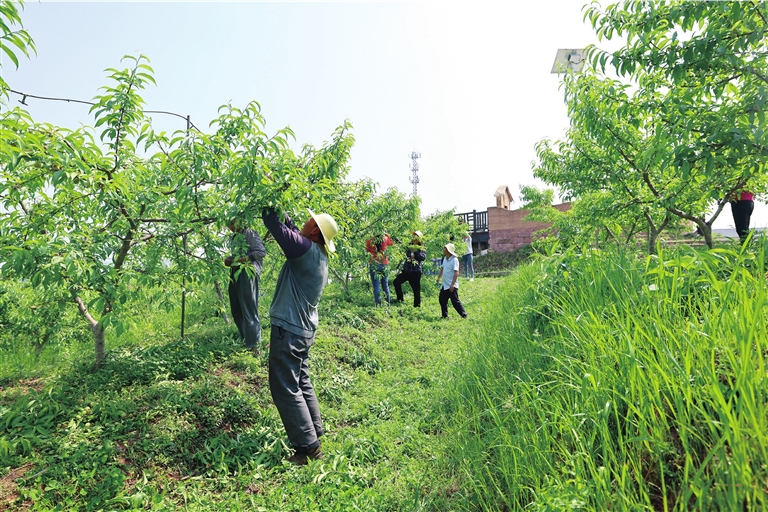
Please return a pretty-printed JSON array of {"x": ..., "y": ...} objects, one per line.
[{"x": 415, "y": 170}]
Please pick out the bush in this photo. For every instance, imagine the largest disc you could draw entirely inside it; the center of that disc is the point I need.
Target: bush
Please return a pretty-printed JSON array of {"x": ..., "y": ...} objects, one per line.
[{"x": 496, "y": 263}]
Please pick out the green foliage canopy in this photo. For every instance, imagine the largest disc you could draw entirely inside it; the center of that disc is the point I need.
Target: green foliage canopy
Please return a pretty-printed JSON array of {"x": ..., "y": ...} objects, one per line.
[
  {"x": 684, "y": 127},
  {"x": 94, "y": 217}
]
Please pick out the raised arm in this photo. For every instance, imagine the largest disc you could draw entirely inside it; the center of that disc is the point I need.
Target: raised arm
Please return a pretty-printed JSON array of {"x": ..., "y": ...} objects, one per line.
[{"x": 286, "y": 234}]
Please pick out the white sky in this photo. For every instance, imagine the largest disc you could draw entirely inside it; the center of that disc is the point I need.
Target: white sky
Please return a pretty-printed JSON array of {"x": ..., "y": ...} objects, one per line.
[{"x": 466, "y": 84}]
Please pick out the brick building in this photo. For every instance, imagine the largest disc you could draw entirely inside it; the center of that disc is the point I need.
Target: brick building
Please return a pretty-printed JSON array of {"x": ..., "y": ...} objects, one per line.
[
  {"x": 501, "y": 229},
  {"x": 507, "y": 231}
]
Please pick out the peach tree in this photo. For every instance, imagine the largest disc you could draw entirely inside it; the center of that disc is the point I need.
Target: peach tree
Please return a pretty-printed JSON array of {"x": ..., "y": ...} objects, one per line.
[
  {"x": 362, "y": 213},
  {"x": 100, "y": 212},
  {"x": 683, "y": 128}
]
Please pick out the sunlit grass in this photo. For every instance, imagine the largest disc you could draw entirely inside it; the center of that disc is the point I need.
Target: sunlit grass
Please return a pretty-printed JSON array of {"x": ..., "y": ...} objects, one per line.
[
  {"x": 602, "y": 382},
  {"x": 169, "y": 424}
]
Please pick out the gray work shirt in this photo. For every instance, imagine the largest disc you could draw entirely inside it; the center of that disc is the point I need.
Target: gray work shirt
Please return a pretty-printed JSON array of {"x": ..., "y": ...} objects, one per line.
[{"x": 251, "y": 244}]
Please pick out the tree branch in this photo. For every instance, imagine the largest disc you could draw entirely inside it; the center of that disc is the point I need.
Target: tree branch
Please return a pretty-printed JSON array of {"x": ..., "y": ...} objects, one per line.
[{"x": 83, "y": 308}]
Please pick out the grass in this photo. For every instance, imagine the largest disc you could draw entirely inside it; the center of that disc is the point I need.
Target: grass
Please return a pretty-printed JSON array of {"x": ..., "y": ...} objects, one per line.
[
  {"x": 584, "y": 381},
  {"x": 168, "y": 424},
  {"x": 606, "y": 382}
]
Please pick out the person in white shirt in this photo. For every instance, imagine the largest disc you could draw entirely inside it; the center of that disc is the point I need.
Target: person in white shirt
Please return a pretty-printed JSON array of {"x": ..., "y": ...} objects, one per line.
[
  {"x": 449, "y": 282},
  {"x": 467, "y": 259}
]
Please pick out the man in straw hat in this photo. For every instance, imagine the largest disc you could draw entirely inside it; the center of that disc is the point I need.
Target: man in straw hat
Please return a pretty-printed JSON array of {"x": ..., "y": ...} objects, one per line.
[
  {"x": 449, "y": 287},
  {"x": 294, "y": 321}
]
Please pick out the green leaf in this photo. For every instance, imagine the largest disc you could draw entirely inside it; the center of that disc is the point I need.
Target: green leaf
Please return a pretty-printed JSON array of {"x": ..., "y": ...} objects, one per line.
[
  {"x": 10, "y": 54},
  {"x": 710, "y": 165}
]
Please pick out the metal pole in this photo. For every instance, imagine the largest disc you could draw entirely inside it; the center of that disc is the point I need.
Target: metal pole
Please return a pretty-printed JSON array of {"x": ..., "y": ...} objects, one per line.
[
  {"x": 183, "y": 286},
  {"x": 184, "y": 270}
]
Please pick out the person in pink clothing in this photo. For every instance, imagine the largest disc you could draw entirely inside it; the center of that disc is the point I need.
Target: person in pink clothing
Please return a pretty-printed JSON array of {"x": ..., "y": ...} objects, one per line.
[
  {"x": 378, "y": 265},
  {"x": 742, "y": 206}
]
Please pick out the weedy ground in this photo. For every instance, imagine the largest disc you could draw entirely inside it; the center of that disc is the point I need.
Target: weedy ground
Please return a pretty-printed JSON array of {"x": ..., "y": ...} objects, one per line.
[
  {"x": 591, "y": 380},
  {"x": 169, "y": 424}
]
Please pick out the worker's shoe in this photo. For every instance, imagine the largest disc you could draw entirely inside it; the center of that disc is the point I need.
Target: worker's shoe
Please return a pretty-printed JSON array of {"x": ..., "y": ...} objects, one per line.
[{"x": 303, "y": 458}]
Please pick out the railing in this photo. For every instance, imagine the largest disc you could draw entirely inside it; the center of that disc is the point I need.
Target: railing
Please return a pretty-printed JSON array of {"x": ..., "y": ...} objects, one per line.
[{"x": 478, "y": 221}]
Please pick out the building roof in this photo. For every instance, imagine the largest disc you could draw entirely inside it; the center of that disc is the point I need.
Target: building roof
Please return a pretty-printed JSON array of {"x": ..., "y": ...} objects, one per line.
[{"x": 503, "y": 189}]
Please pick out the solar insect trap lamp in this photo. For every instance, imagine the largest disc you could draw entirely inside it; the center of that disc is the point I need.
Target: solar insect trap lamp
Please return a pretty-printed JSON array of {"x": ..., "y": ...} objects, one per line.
[{"x": 568, "y": 60}]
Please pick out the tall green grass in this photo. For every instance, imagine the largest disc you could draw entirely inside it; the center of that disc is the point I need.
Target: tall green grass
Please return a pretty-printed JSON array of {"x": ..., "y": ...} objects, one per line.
[{"x": 600, "y": 381}]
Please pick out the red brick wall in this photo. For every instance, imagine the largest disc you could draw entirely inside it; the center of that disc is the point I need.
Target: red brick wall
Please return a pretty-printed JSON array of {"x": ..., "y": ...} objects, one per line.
[{"x": 508, "y": 231}]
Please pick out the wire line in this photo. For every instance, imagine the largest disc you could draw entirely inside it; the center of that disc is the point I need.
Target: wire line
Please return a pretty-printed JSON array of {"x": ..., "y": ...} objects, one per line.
[{"x": 24, "y": 97}]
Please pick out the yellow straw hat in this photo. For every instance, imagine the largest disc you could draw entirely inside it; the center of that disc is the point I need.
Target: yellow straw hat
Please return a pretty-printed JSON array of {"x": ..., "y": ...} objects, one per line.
[
  {"x": 328, "y": 228},
  {"x": 451, "y": 249}
]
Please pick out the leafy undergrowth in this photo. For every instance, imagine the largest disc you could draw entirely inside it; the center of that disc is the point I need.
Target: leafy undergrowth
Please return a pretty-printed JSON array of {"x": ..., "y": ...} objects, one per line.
[
  {"x": 494, "y": 264},
  {"x": 585, "y": 381},
  {"x": 169, "y": 425}
]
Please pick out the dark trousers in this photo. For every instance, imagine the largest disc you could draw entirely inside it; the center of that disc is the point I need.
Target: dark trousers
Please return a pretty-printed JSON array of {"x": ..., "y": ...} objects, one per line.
[
  {"x": 291, "y": 389},
  {"x": 414, "y": 278},
  {"x": 244, "y": 305},
  {"x": 742, "y": 211},
  {"x": 457, "y": 305}
]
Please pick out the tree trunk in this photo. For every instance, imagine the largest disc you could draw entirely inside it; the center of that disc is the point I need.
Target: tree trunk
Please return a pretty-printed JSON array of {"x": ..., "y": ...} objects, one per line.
[
  {"x": 347, "y": 280},
  {"x": 654, "y": 232},
  {"x": 99, "y": 343},
  {"x": 224, "y": 314},
  {"x": 707, "y": 230},
  {"x": 40, "y": 344},
  {"x": 704, "y": 226},
  {"x": 653, "y": 235},
  {"x": 343, "y": 280}
]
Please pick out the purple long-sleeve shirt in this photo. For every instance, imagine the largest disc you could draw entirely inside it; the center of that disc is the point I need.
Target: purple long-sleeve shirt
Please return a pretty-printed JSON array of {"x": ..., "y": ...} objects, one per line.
[
  {"x": 301, "y": 280},
  {"x": 286, "y": 234}
]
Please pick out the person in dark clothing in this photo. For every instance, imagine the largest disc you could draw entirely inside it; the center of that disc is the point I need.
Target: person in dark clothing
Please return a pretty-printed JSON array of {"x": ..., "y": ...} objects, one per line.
[
  {"x": 411, "y": 271},
  {"x": 742, "y": 207},
  {"x": 247, "y": 248},
  {"x": 294, "y": 321}
]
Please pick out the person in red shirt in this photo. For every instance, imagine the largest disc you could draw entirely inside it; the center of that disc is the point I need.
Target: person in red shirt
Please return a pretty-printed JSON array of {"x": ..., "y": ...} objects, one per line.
[
  {"x": 378, "y": 265},
  {"x": 742, "y": 206}
]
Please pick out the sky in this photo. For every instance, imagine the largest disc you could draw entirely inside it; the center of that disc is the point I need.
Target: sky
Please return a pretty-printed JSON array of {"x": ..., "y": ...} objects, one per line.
[{"x": 465, "y": 84}]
